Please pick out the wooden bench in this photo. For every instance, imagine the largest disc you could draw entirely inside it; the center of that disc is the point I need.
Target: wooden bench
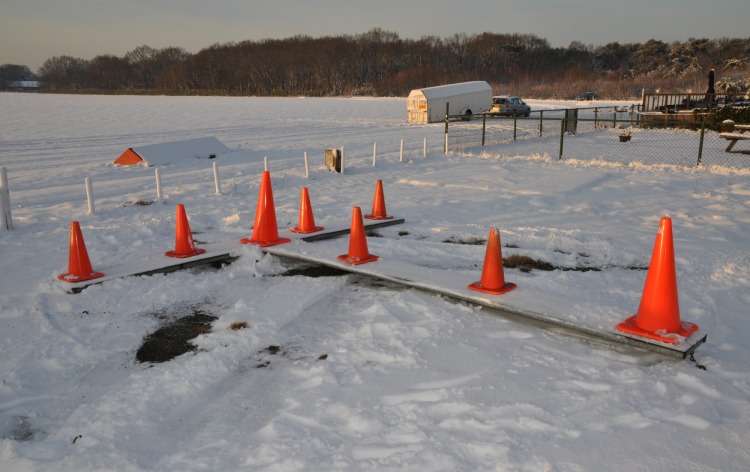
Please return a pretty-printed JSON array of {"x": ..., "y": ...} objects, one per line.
[{"x": 738, "y": 135}]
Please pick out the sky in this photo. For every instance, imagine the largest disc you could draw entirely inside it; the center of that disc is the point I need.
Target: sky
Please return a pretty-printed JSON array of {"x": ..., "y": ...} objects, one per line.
[{"x": 32, "y": 31}]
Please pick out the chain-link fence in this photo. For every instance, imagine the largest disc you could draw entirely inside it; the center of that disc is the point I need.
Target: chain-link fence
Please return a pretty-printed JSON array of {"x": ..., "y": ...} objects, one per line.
[{"x": 615, "y": 137}]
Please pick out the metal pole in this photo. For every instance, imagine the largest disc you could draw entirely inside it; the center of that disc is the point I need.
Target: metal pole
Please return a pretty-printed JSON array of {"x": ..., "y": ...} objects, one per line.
[
  {"x": 541, "y": 122},
  {"x": 515, "y": 124},
  {"x": 6, "y": 219},
  {"x": 562, "y": 135},
  {"x": 700, "y": 146},
  {"x": 484, "y": 127},
  {"x": 447, "y": 109}
]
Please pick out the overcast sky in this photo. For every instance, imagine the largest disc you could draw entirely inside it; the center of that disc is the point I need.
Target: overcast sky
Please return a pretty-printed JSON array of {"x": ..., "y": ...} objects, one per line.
[{"x": 32, "y": 31}]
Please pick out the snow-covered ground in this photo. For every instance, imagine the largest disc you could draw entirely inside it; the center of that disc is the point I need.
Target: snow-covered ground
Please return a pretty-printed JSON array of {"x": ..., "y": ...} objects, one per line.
[{"x": 367, "y": 375}]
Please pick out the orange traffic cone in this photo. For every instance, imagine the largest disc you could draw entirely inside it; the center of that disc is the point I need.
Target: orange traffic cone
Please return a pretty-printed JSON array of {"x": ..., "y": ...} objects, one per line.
[
  {"x": 183, "y": 245},
  {"x": 265, "y": 230},
  {"x": 378, "y": 204},
  {"x": 658, "y": 315},
  {"x": 306, "y": 219},
  {"x": 358, "y": 252},
  {"x": 79, "y": 266},
  {"x": 493, "y": 278}
]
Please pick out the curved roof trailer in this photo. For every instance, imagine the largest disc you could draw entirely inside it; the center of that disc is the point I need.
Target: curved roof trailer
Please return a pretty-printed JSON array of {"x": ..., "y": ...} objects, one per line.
[{"x": 427, "y": 105}]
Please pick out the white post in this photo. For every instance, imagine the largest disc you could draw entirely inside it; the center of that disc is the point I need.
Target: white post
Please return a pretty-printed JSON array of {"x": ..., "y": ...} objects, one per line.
[
  {"x": 374, "y": 154},
  {"x": 6, "y": 219},
  {"x": 90, "y": 195},
  {"x": 265, "y": 163},
  {"x": 401, "y": 154},
  {"x": 307, "y": 166},
  {"x": 217, "y": 183},
  {"x": 425, "y": 148},
  {"x": 446, "y": 143},
  {"x": 342, "y": 159},
  {"x": 159, "y": 196}
]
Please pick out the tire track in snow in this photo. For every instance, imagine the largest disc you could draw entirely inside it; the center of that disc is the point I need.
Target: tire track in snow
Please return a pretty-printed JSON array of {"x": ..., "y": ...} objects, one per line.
[{"x": 253, "y": 391}]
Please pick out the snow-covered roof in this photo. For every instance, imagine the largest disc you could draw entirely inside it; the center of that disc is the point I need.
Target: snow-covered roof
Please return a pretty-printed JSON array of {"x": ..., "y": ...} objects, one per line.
[
  {"x": 175, "y": 151},
  {"x": 442, "y": 91}
]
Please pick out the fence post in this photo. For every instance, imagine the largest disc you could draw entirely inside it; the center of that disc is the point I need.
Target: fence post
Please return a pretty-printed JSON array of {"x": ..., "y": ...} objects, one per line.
[
  {"x": 515, "y": 124},
  {"x": 562, "y": 134},
  {"x": 700, "y": 146},
  {"x": 484, "y": 127},
  {"x": 445, "y": 150},
  {"x": 541, "y": 122},
  {"x": 159, "y": 195},
  {"x": 6, "y": 219},
  {"x": 596, "y": 118},
  {"x": 374, "y": 153},
  {"x": 217, "y": 183},
  {"x": 401, "y": 152},
  {"x": 90, "y": 195},
  {"x": 307, "y": 166}
]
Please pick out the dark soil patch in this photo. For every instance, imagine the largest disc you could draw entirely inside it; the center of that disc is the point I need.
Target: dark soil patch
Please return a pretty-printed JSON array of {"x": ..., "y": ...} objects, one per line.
[
  {"x": 171, "y": 340},
  {"x": 526, "y": 263},
  {"x": 470, "y": 241},
  {"x": 18, "y": 429},
  {"x": 315, "y": 271},
  {"x": 270, "y": 350},
  {"x": 138, "y": 203}
]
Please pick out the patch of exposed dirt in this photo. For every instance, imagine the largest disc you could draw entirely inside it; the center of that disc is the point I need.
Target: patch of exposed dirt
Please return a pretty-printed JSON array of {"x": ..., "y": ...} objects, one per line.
[
  {"x": 172, "y": 339},
  {"x": 315, "y": 271},
  {"x": 469, "y": 241},
  {"x": 138, "y": 203},
  {"x": 17, "y": 428}
]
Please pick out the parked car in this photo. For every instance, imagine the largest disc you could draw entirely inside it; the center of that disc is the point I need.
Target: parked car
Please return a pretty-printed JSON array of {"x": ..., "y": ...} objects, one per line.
[
  {"x": 588, "y": 96},
  {"x": 509, "y": 105}
]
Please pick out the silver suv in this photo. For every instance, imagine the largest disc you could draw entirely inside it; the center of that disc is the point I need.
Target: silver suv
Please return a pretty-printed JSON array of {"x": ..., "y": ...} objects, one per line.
[{"x": 509, "y": 105}]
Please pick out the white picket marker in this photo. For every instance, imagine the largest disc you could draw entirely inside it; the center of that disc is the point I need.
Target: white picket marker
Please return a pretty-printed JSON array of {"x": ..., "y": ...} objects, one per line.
[
  {"x": 307, "y": 166},
  {"x": 265, "y": 163},
  {"x": 90, "y": 195},
  {"x": 217, "y": 183},
  {"x": 401, "y": 153},
  {"x": 159, "y": 195},
  {"x": 6, "y": 219},
  {"x": 425, "y": 148},
  {"x": 374, "y": 154},
  {"x": 342, "y": 159}
]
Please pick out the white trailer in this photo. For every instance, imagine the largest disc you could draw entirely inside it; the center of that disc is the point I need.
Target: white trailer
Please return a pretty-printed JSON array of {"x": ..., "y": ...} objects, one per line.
[{"x": 427, "y": 105}]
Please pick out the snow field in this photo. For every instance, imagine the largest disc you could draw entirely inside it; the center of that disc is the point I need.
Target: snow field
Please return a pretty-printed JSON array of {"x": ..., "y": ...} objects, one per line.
[{"x": 367, "y": 375}]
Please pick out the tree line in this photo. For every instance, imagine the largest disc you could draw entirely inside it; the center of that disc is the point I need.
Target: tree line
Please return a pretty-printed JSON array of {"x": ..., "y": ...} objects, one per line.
[{"x": 381, "y": 63}]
